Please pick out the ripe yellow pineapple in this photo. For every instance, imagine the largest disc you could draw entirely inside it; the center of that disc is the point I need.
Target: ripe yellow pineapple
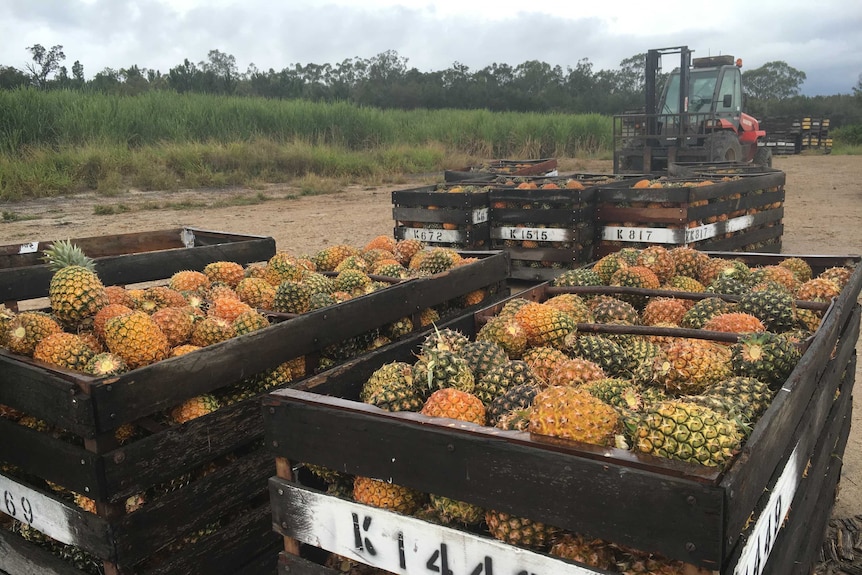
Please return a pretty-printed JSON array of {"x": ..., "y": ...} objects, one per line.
[
  {"x": 188, "y": 281},
  {"x": 176, "y": 323},
  {"x": 64, "y": 350},
  {"x": 75, "y": 292},
  {"x": 256, "y": 292},
  {"x": 229, "y": 273},
  {"x": 385, "y": 495},
  {"x": 136, "y": 338},
  {"x": 27, "y": 329},
  {"x": 570, "y": 413},
  {"x": 689, "y": 366},
  {"x": 455, "y": 404},
  {"x": 193, "y": 408}
]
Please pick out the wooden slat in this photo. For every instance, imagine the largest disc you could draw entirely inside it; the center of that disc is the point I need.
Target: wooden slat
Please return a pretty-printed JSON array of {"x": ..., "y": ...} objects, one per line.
[
  {"x": 162, "y": 456},
  {"x": 161, "y": 521},
  {"x": 227, "y": 551},
  {"x": 291, "y": 564},
  {"x": 44, "y": 394},
  {"x": 45, "y": 456}
]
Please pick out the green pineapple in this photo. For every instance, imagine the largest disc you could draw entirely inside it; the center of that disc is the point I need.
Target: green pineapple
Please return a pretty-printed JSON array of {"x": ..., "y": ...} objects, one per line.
[
  {"x": 516, "y": 398},
  {"x": 391, "y": 387},
  {"x": 482, "y": 356},
  {"x": 765, "y": 356},
  {"x": 608, "y": 355},
  {"x": 439, "y": 369},
  {"x": 499, "y": 379},
  {"x": 703, "y": 311},
  {"x": 292, "y": 297},
  {"x": 775, "y": 308}
]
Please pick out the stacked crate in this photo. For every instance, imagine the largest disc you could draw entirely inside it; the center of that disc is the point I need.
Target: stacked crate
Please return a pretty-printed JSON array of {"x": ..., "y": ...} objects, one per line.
[
  {"x": 170, "y": 499},
  {"x": 545, "y": 224},
  {"x": 757, "y": 515},
  {"x": 730, "y": 212},
  {"x": 450, "y": 215}
]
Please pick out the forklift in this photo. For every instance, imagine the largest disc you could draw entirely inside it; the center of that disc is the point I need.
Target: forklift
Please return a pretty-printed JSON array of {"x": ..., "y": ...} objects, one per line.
[{"x": 697, "y": 118}]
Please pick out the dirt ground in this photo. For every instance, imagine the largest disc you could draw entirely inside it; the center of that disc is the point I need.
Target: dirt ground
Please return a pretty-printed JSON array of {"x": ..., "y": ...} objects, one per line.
[{"x": 823, "y": 215}]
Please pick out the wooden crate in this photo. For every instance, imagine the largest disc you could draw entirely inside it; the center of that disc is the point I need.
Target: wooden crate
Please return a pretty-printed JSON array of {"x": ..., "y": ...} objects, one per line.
[
  {"x": 439, "y": 217},
  {"x": 85, "y": 457},
  {"x": 742, "y": 214},
  {"x": 540, "y": 167},
  {"x": 123, "y": 259},
  {"x": 545, "y": 230},
  {"x": 696, "y": 514}
]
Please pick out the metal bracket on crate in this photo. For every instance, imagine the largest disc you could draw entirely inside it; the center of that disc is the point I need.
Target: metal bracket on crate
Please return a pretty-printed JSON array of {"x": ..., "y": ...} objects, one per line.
[{"x": 187, "y": 236}]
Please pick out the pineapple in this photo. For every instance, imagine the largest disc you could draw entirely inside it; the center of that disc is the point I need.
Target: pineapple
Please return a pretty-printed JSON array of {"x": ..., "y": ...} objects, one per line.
[
  {"x": 193, "y": 408},
  {"x": 663, "y": 310},
  {"x": 594, "y": 553},
  {"x": 735, "y": 323},
  {"x": 610, "y": 309},
  {"x": 256, "y": 292},
  {"x": 840, "y": 275},
  {"x": 249, "y": 321},
  {"x": 444, "y": 340},
  {"x": 607, "y": 265},
  {"x": 328, "y": 258},
  {"x": 105, "y": 364},
  {"x": 579, "y": 277},
  {"x": 211, "y": 330},
  {"x": 544, "y": 325},
  {"x": 75, "y": 291},
  {"x": 229, "y": 273},
  {"x": 451, "y": 511},
  {"x": 622, "y": 393},
  {"x": 437, "y": 260},
  {"x": 136, "y": 338},
  {"x": 282, "y": 267},
  {"x": 406, "y": 249},
  {"x": 799, "y": 267},
  {"x": 659, "y": 260},
  {"x": 684, "y": 283},
  {"x": 747, "y": 396},
  {"x": 508, "y": 334},
  {"x": 575, "y": 372},
  {"x": 572, "y": 304},
  {"x": 439, "y": 369},
  {"x": 64, "y": 350},
  {"x": 499, "y": 379},
  {"x": 354, "y": 282},
  {"x": 686, "y": 431},
  {"x": 687, "y": 261},
  {"x": 781, "y": 275},
  {"x": 6, "y": 317},
  {"x": 385, "y": 495},
  {"x": 570, "y": 413},
  {"x": 391, "y": 388},
  {"x": 482, "y": 356},
  {"x": 689, "y": 366},
  {"x": 227, "y": 308},
  {"x": 356, "y": 262},
  {"x": 637, "y": 277},
  {"x": 103, "y": 315},
  {"x": 155, "y": 298},
  {"x": 27, "y": 329},
  {"x": 176, "y": 323},
  {"x": 818, "y": 289},
  {"x": 189, "y": 281},
  {"x": 120, "y": 295},
  {"x": 766, "y": 356},
  {"x": 515, "y": 398},
  {"x": 608, "y": 355},
  {"x": 519, "y": 531},
  {"x": 292, "y": 297},
  {"x": 704, "y": 310},
  {"x": 775, "y": 308}
]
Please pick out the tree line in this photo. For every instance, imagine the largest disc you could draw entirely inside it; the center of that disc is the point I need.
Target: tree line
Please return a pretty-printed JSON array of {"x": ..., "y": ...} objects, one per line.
[{"x": 386, "y": 81}]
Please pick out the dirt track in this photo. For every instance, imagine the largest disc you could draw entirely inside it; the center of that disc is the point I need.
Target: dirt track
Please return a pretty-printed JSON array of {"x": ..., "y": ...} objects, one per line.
[{"x": 823, "y": 215}]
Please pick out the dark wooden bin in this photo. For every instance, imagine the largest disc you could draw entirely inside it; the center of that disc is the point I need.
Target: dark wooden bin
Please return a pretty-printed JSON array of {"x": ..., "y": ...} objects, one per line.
[
  {"x": 439, "y": 217},
  {"x": 723, "y": 520},
  {"x": 742, "y": 213},
  {"x": 496, "y": 168},
  {"x": 221, "y": 449},
  {"x": 124, "y": 259},
  {"x": 545, "y": 230}
]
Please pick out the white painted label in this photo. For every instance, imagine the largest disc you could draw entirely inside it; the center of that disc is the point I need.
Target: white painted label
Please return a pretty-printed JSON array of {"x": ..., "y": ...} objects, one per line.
[
  {"x": 404, "y": 544},
  {"x": 31, "y": 507},
  {"x": 669, "y": 236},
  {"x": 652, "y": 235},
  {"x": 433, "y": 236},
  {"x": 29, "y": 248},
  {"x": 754, "y": 555},
  {"x": 534, "y": 234},
  {"x": 480, "y": 215}
]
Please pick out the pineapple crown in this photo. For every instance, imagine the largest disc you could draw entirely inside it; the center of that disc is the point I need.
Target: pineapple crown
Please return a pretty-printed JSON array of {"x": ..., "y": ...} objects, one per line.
[{"x": 64, "y": 253}]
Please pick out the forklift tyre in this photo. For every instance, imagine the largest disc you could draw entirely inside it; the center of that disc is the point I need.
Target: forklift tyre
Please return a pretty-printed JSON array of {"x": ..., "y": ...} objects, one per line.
[
  {"x": 724, "y": 147},
  {"x": 763, "y": 157}
]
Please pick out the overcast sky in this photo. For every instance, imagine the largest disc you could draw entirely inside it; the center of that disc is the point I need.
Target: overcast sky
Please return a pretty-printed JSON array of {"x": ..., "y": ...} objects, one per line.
[{"x": 823, "y": 38}]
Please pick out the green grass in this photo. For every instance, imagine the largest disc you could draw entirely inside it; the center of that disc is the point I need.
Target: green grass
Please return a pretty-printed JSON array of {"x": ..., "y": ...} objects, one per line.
[
  {"x": 55, "y": 143},
  {"x": 840, "y": 149}
]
